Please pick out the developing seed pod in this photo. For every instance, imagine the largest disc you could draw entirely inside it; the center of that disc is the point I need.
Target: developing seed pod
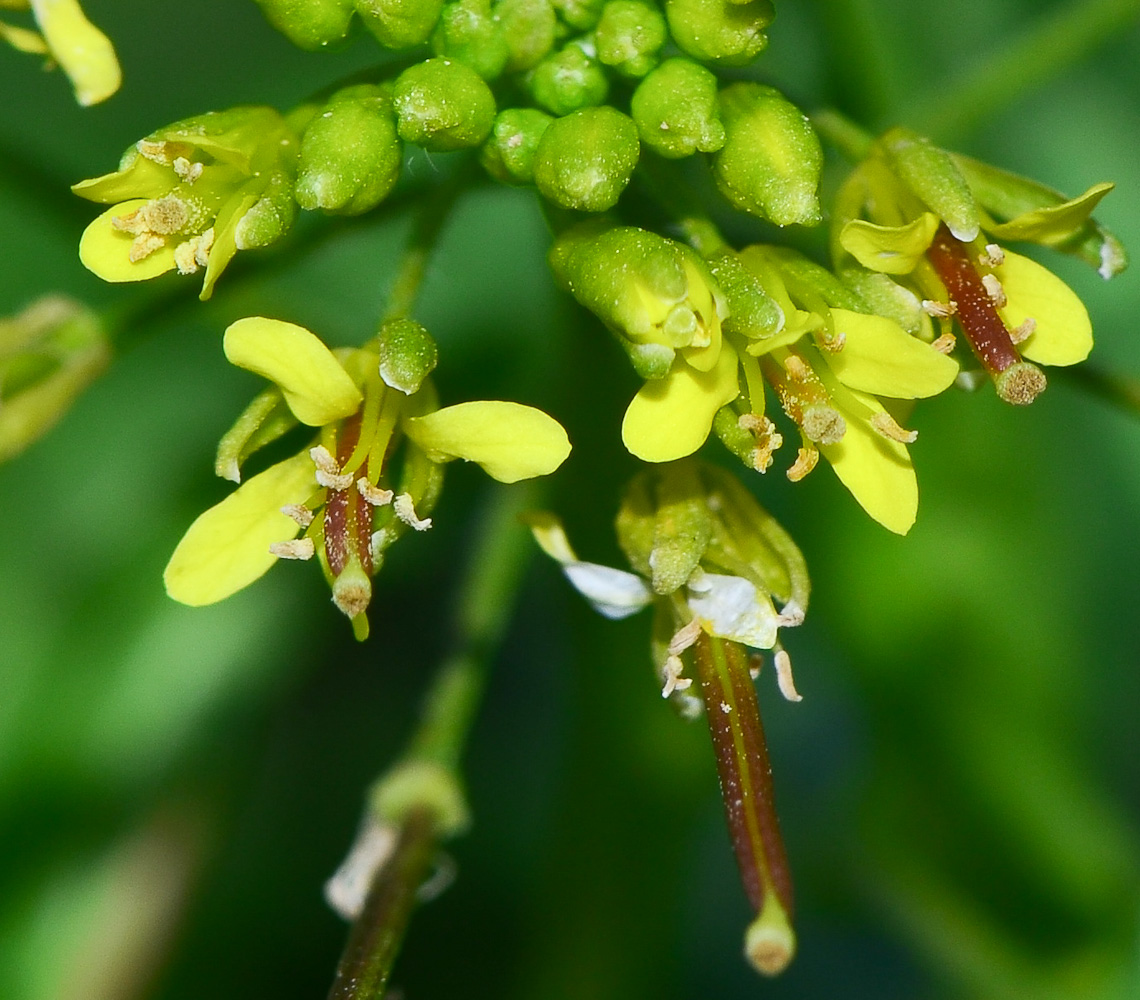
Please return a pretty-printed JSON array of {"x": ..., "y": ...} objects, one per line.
[
  {"x": 467, "y": 31},
  {"x": 400, "y": 24},
  {"x": 675, "y": 110},
  {"x": 720, "y": 31},
  {"x": 508, "y": 155},
  {"x": 350, "y": 153},
  {"x": 568, "y": 80},
  {"x": 585, "y": 160},
  {"x": 443, "y": 105},
  {"x": 629, "y": 35},
  {"x": 771, "y": 160},
  {"x": 309, "y": 24},
  {"x": 528, "y": 29}
]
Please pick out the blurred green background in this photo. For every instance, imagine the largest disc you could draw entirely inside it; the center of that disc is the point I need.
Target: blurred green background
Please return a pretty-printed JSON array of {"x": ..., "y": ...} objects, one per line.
[{"x": 959, "y": 789}]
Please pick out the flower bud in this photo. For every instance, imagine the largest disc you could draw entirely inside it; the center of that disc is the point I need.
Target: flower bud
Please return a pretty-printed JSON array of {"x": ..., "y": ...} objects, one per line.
[
  {"x": 585, "y": 160},
  {"x": 580, "y": 14},
  {"x": 568, "y": 80},
  {"x": 655, "y": 294},
  {"x": 309, "y": 24},
  {"x": 49, "y": 354},
  {"x": 467, "y": 31},
  {"x": 931, "y": 174},
  {"x": 442, "y": 105},
  {"x": 508, "y": 155},
  {"x": 752, "y": 312},
  {"x": 720, "y": 31},
  {"x": 771, "y": 161},
  {"x": 675, "y": 110},
  {"x": 629, "y": 35},
  {"x": 528, "y": 29},
  {"x": 400, "y": 24},
  {"x": 408, "y": 355},
  {"x": 350, "y": 153}
]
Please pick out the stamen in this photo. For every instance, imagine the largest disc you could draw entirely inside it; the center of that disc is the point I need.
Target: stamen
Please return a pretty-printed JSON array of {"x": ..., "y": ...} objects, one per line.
[
  {"x": 154, "y": 151},
  {"x": 328, "y": 470},
  {"x": 791, "y": 615},
  {"x": 994, "y": 290},
  {"x": 939, "y": 310},
  {"x": 784, "y": 679},
  {"x": 373, "y": 494},
  {"x": 299, "y": 513},
  {"x": 834, "y": 344},
  {"x": 406, "y": 512},
  {"x": 671, "y": 675},
  {"x": 187, "y": 171},
  {"x": 1024, "y": 330},
  {"x": 768, "y": 439},
  {"x": 993, "y": 257},
  {"x": 684, "y": 637},
  {"x": 194, "y": 253},
  {"x": 886, "y": 425},
  {"x": 805, "y": 461},
  {"x": 143, "y": 245},
  {"x": 296, "y": 548},
  {"x": 945, "y": 344}
]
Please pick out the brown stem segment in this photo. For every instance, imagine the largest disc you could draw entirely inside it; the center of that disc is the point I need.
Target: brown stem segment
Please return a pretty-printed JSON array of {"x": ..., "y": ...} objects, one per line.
[
  {"x": 746, "y": 788},
  {"x": 374, "y": 941}
]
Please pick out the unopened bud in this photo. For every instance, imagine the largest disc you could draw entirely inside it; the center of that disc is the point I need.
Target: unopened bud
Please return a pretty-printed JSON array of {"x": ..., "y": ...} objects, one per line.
[
  {"x": 508, "y": 155},
  {"x": 932, "y": 175},
  {"x": 407, "y": 355},
  {"x": 629, "y": 36},
  {"x": 310, "y": 24},
  {"x": 675, "y": 109},
  {"x": 443, "y": 105},
  {"x": 469, "y": 32},
  {"x": 350, "y": 153},
  {"x": 586, "y": 159},
  {"x": 568, "y": 80},
  {"x": 720, "y": 31},
  {"x": 528, "y": 29},
  {"x": 580, "y": 14},
  {"x": 771, "y": 161},
  {"x": 400, "y": 24}
]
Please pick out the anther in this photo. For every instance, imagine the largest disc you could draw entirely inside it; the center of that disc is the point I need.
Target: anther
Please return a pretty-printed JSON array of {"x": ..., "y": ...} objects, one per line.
[
  {"x": 1024, "y": 330},
  {"x": 684, "y": 637},
  {"x": 805, "y": 461},
  {"x": 295, "y": 548},
  {"x": 887, "y": 426},
  {"x": 993, "y": 257},
  {"x": 768, "y": 439},
  {"x": 671, "y": 675},
  {"x": 784, "y": 679},
  {"x": 328, "y": 471},
  {"x": 373, "y": 494},
  {"x": 994, "y": 290},
  {"x": 939, "y": 310},
  {"x": 406, "y": 512},
  {"x": 143, "y": 245},
  {"x": 299, "y": 513},
  {"x": 945, "y": 344},
  {"x": 187, "y": 171},
  {"x": 194, "y": 253}
]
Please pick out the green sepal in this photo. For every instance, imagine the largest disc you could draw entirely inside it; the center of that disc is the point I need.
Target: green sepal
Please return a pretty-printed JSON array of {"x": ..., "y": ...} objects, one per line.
[
  {"x": 805, "y": 279},
  {"x": 585, "y": 160},
  {"x": 718, "y": 31},
  {"x": 682, "y": 527},
  {"x": 350, "y": 153},
  {"x": 468, "y": 31},
  {"x": 528, "y": 28},
  {"x": 675, "y": 109},
  {"x": 309, "y": 24},
  {"x": 508, "y": 154},
  {"x": 568, "y": 80},
  {"x": 408, "y": 355},
  {"x": 934, "y": 178},
  {"x": 886, "y": 297},
  {"x": 400, "y": 24},
  {"x": 738, "y": 440},
  {"x": 629, "y": 35},
  {"x": 442, "y": 105},
  {"x": 752, "y": 312},
  {"x": 266, "y": 419},
  {"x": 636, "y": 524},
  {"x": 771, "y": 160}
]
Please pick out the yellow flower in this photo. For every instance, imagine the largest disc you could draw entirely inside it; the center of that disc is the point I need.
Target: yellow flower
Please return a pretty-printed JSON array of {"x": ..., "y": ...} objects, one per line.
[
  {"x": 340, "y": 498},
  {"x": 192, "y": 194},
  {"x": 84, "y": 53}
]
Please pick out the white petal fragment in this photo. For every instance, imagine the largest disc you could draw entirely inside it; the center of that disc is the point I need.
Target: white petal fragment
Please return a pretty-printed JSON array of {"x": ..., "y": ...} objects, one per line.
[{"x": 613, "y": 592}]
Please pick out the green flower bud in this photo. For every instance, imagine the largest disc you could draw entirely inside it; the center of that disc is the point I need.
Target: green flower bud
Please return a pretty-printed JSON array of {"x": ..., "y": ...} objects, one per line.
[
  {"x": 752, "y": 312},
  {"x": 400, "y": 24},
  {"x": 675, "y": 109},
  {"x": 508, "y": 155},
  {"x": 442, "y": 105},
  {"x": 931, "y": 174},
  {"x": 468, "y": 32},
  {"x": 656, "y": 294},
  {"x": 720, "y": 31},
  {"x": 585, "y": 160},
  {"x": 270, "y": 217},
  {"x": 568, "y": 80},
  {"x": 350, "y": 153},
  {"x": 771, "y": 160},
  {"x": 49, "y": 354},
  {"x": 580, "y": 14},
  {"x": 528, "y": 28},
  {"x": 310, "y": 24},
  {"x": 629, "y": 35},
  {"x": 408, "y": 355}
]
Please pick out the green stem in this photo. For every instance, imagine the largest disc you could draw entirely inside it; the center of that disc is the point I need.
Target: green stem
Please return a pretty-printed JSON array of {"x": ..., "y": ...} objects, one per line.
[
  {"x": 852, "y": 140},
  {"x": 1019, "y": 65},
  {"x": 500, "y": 555}
]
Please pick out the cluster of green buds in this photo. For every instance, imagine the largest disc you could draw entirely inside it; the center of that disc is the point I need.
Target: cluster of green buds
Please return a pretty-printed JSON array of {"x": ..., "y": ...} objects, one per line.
[
  {"x": 373, "y": 470},
  {"x": 713, "y": 565},
  {"x": 64, "y": 36},
  {"x": 49, "y": 353}
]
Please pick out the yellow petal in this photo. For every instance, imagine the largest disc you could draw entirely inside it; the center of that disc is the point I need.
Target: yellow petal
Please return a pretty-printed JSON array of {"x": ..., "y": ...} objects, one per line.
[
  {"x": 22, "y": 39},
  {"x": 876, "y": 470},
  {"x": 1052, "y": 224},
  {"x": 1064, "y": 332},
  {"x": 670, "y": 417},
  {"x": 889, "y": 249},
  {"x": 82, "y": 50},
  {"x": 314, "y": 384},
  {"x": 879, "y": 357},
  {"x": 227, "y": 547},
  {"x": 510, "y": 441},
  {"x": 225, "y": 244},
  {"x": 105, "y": 250}
]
